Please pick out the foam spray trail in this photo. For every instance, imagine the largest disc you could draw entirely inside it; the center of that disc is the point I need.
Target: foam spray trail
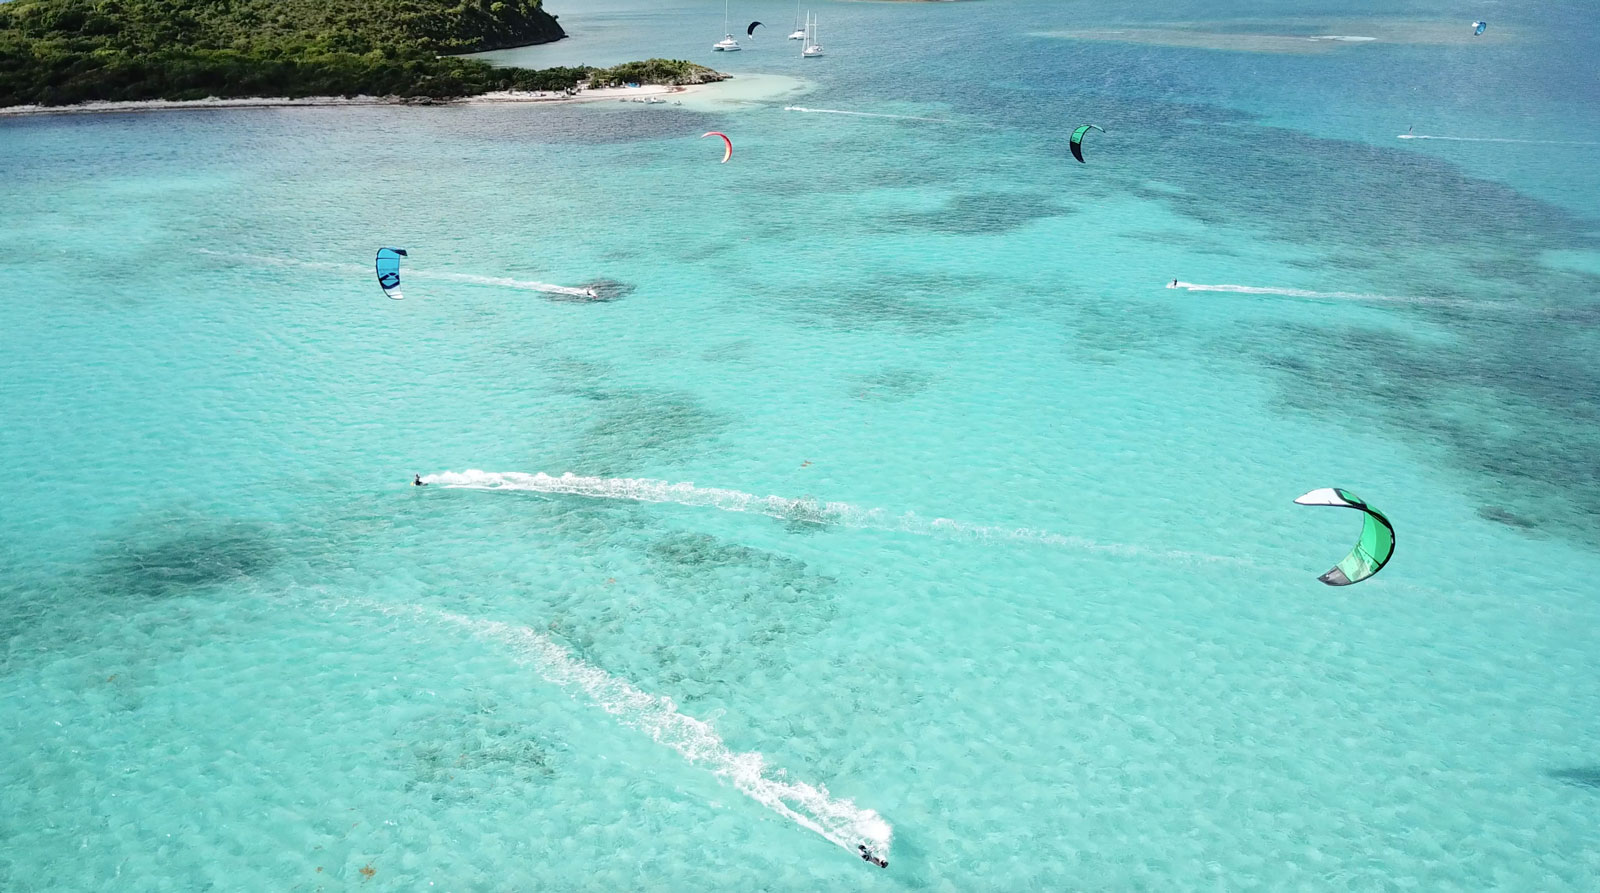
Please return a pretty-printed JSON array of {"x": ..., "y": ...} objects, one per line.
[
  {"x": 784, "y": 508},
  {"x": 1335, "y": 295},
  {"x": 801, "y": 108},
  {"x": 499, "y": 281},
  {"x": 1289, "y": 292},
  {"x": 502, "y": 282},
  {"x": 808, "y": 805},
  {"x": 1496, "y": 139}
]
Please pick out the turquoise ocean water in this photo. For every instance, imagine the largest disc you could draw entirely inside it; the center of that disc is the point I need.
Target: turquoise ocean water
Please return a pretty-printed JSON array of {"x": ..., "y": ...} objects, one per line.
[{"x": 1030, "y": 606}]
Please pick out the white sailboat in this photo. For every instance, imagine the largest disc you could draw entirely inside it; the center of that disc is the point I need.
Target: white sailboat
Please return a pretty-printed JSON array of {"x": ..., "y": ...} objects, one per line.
[
  {"x": 798, "y": 33},
  {"x": 727, "y": 44},
  {"x": 811, "y": 48}
]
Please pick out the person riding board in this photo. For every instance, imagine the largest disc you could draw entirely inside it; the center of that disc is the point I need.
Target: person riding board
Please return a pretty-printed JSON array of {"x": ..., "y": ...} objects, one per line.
[{"x": 866, "y": 856}]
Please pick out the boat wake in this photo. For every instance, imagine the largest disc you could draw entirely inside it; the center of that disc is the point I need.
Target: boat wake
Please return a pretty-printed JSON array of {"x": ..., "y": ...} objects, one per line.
[
  {"x": 1496, "y": 139},
  {"x": 803, "y": 509},
  {"x": 810, "y": 806},
  {"x": 801, "y": 108}
]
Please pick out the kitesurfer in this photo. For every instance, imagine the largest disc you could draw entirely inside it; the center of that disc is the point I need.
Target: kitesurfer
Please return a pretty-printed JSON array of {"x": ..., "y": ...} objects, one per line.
[
  {"x": 866, "y": 856},
  {"x": 416, "y": 481},
  {"x": 1174, "y": 283}
]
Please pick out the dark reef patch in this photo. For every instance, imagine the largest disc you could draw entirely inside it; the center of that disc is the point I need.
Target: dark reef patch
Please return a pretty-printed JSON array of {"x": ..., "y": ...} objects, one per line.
[
  {"x": 921, "y": 304},
  {"x": 1585, "y": 776},
  {"x": 1514, "y": 403},
  {"x": 456, "y": 759},
  {"x": 168, "y": 558},
  {"x": 1499, "y": 381},
  {"x": 730, "y": 352},
  {"x": 712, "y": 613},
  {"x": 978, "y": 213},
  {"x": 1105, "y": 333},
  {"x": 1214, "y": 246},
  {"x": 1501, "y": 515},
  {"x": 891, "y": 384},
  {"x": 632, "y": 427}
]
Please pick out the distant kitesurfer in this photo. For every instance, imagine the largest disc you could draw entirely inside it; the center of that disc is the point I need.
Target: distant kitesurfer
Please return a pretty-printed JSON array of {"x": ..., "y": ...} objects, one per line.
[
  {"x": 866, "y": 856},
  {"x": 416, "y": 481},
  {"x": 1174, "y": 283}
]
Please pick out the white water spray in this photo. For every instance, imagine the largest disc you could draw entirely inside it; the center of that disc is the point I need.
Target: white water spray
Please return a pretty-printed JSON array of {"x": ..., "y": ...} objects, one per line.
[
  {"x": 501, "y": 282},
  {"x": 1334, "y": 295},
  {"x": 408, "y": 273},
  {"x": 805, "y": 509},
  {"x": 1495, "y": 139},
  {"x": 801, "y": 108},
  {"x": 810, "y": 806},
  {"x": 1288, "y": 292}
]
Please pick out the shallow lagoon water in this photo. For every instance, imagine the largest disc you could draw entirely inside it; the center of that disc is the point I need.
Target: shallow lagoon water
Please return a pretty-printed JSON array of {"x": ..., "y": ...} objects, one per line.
[{"x": 1033, "y": 590}]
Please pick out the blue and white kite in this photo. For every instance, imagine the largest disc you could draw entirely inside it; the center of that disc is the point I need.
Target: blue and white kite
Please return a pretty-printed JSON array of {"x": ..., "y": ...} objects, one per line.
[{"x": 388, "y": 266}]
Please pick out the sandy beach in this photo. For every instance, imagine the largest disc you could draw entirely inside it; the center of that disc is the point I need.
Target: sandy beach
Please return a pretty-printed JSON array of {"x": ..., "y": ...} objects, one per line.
[{"x": 504, "y": 96}]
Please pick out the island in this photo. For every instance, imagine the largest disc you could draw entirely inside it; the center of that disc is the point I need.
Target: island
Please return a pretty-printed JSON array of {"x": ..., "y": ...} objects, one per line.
[{"x": 68, "y": 52}]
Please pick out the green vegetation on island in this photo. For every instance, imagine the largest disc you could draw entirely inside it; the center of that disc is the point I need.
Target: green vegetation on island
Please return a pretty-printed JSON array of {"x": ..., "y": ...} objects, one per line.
[
  {"x": 60, "y": 52},
  {"x": 651, "y": 71}
]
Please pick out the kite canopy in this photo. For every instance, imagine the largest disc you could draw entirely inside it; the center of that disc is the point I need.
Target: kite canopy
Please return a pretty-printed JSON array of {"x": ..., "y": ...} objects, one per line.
[
  {"x": 1374, "y": 548},
  {"x": 388, "y": 266},
  {"x": 751, "y": 31},
  {"x": 1478, "y": 28},
  {"x": 728, "y": 153},
  {"x": 1077, "y": 140}
]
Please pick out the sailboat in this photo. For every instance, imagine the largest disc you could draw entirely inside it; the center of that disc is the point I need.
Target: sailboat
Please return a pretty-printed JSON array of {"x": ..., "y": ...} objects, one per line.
[
  {"x": 727, "y": 44},
  {"x": 798, "y": 33},
  {"x": 810, "y": 47}
]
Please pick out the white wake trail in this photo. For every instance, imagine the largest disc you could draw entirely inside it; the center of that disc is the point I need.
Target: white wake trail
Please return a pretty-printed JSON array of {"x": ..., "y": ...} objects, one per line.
[
  {"x": 407, "y": 273},
  {"x": 801, "y": 108},
  {"x": 805, "y": 509},
  {"x": 1288, "y": 292},
  {"x": 1495, "y": 139},
  {"x": 1334, "y": 295},
  {"x": 500, "y": 281},
  {"x": 810, "y": 806}
]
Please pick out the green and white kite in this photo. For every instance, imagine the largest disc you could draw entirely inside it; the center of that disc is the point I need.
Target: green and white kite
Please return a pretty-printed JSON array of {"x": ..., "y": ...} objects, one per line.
[
  {"x": 1077, "y": 140},
  {"x": 1371, "y": 552}
]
